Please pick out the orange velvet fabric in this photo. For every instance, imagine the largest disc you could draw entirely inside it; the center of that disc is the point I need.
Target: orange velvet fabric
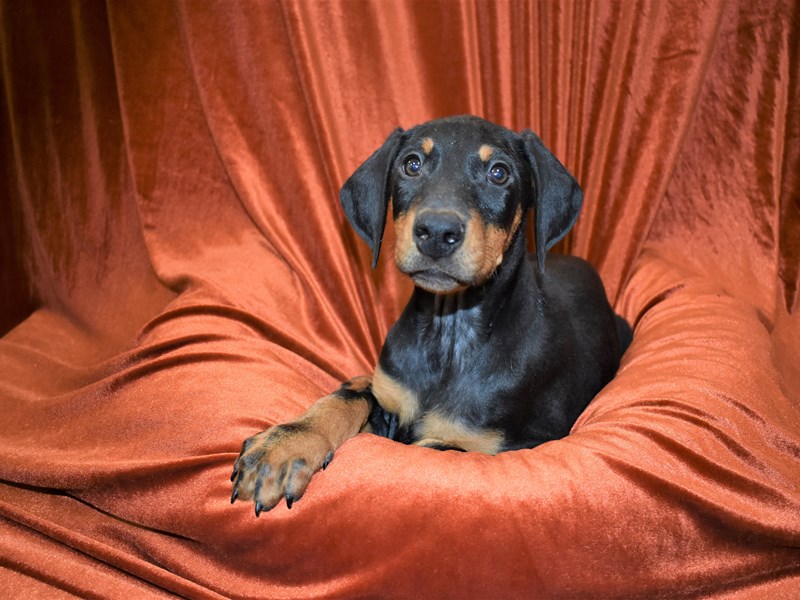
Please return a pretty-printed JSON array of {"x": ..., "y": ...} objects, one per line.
[{"x": 177, "y": 275}]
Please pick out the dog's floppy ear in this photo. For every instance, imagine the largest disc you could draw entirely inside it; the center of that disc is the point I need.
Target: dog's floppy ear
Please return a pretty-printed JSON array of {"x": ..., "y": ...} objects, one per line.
[
  {"x": 558, "y": 197},
  {"x": 365, "y": 195}
]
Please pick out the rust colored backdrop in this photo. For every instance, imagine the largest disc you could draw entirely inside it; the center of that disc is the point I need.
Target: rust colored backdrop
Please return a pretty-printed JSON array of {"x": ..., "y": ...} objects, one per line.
[{"x": 177, "y": 274}]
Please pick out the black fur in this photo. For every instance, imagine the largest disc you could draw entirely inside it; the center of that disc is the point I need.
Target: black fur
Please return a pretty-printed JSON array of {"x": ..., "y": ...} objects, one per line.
[{"x": 521, "y": 350}]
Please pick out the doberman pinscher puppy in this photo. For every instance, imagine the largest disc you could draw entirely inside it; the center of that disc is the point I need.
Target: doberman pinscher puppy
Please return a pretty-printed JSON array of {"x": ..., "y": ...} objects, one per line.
[{"x": 494, "y": 351}]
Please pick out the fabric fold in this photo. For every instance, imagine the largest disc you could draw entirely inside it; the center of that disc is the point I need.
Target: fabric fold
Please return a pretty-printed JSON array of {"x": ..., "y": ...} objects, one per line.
[{"x": 183, "y": 277}]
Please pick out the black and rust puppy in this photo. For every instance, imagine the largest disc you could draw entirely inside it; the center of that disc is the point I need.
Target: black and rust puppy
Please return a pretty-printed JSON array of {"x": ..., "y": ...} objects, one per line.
[{"x": 494, "y": 351}]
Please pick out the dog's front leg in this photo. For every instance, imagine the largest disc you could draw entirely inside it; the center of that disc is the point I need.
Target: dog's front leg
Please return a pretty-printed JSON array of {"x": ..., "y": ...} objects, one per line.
[{"x": 279, "y": 462}]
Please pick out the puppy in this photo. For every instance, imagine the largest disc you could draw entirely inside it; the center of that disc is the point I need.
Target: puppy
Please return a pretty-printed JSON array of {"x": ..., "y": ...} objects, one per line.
[{"x": 495, "y": 350}]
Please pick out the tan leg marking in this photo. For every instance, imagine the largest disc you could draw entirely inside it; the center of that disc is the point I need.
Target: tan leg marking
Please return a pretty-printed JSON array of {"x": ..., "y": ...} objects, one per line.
[
  {"x": 279, "y": 462},
  {"x": 337, "y": 419},
  {"x": 359, "y": 384},
  {"x": 436, "y": 429},
  {"x": 394, "y": 397}
]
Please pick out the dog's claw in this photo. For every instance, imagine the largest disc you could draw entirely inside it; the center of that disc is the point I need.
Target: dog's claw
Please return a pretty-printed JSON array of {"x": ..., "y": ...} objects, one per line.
[{"x": 277, "y": 464}]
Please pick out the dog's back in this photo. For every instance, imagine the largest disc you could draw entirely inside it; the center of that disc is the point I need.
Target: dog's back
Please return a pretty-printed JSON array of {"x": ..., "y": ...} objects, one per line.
[{"x": 580, "y": 345}]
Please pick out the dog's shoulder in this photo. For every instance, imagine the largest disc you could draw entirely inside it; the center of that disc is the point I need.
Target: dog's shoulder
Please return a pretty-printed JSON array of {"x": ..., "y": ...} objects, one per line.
[{"x": 571, "y": 278}]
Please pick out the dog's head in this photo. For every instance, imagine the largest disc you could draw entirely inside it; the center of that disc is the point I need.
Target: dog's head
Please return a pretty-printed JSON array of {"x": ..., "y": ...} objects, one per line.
[{"x": 459, "y": 188}]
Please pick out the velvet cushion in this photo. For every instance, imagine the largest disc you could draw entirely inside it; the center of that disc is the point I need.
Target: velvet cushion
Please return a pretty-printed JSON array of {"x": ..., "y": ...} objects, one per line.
[{"x": 679, "y": 476}]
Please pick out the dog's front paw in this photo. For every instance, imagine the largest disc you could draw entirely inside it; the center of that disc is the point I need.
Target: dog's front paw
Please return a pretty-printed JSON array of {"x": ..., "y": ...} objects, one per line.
[{"x": 279, "y": 463}]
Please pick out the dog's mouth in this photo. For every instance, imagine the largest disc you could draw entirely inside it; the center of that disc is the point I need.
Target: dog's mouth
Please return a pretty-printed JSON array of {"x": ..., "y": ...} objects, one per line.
[{"x": 437, "y": 281}]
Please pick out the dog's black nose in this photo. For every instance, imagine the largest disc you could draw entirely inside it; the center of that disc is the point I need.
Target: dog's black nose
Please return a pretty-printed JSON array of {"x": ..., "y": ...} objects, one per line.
[{"x": 438, "y": 233}]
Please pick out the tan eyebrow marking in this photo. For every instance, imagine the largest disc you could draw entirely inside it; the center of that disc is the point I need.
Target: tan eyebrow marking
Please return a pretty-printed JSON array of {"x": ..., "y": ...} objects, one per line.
[
  {"x": 485, "y": 152},
  {"x": 427, "y": 145}
]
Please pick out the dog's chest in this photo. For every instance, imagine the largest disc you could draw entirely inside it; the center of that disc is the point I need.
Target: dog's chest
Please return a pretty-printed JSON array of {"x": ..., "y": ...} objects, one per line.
[
  {"x": 452, "y": 339},
  {"x": 451, "y": 364}
]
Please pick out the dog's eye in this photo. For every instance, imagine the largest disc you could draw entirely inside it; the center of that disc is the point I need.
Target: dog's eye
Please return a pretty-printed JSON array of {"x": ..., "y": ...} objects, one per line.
[
  {"x": 498, "y": 174},
  {"x": 412, "y": 166}
]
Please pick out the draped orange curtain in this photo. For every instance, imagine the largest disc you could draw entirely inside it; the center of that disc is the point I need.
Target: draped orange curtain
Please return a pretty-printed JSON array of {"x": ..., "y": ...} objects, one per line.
[{"x": 177, "y": 275}]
